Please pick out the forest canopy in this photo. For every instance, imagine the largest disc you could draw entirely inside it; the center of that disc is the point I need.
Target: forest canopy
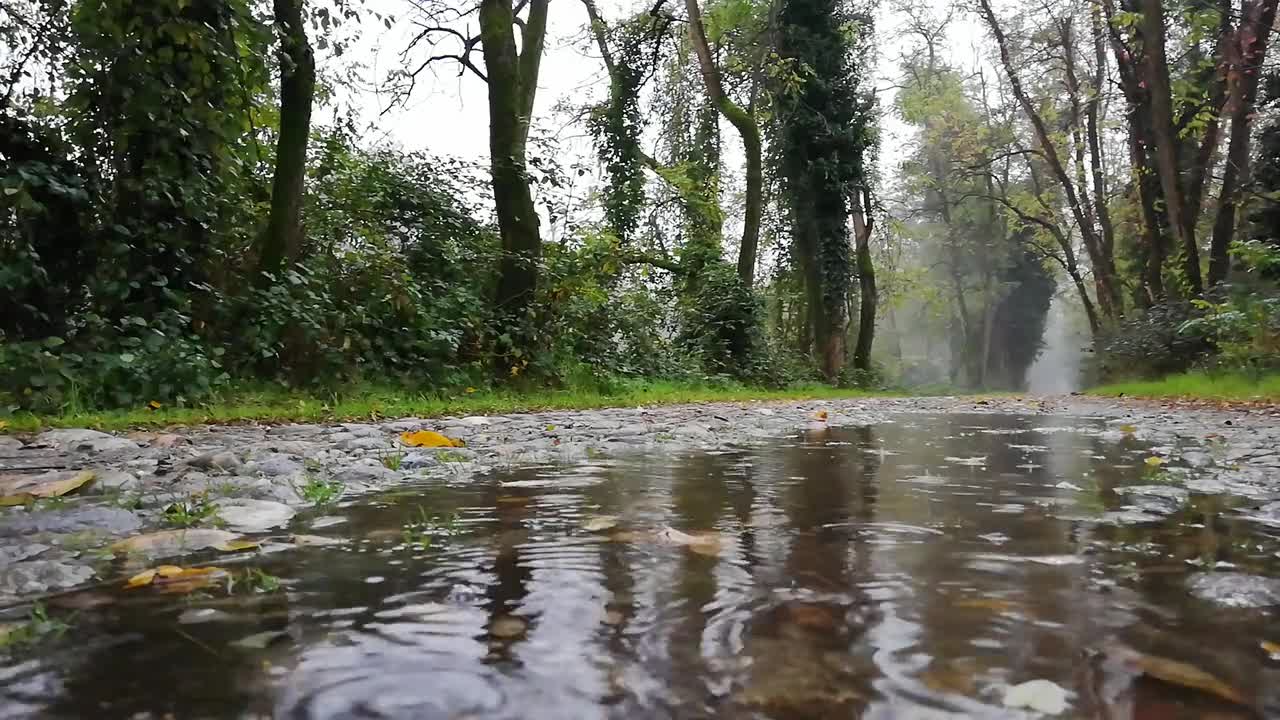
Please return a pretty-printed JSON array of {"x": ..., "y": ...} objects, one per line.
[{"x": 194, "y": 196}]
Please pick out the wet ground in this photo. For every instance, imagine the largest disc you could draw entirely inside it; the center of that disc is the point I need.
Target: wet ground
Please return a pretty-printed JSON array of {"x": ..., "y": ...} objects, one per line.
[{"x": 916, "y": 566}]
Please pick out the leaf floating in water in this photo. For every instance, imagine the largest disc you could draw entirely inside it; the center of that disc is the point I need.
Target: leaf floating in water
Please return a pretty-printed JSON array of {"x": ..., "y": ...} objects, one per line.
[
  {"x": 174, "y": 579},
  {"x": 971, "y": 461},
  {"x": 1271, "y": 649},
  {"x": 20, "y": 490},
  {"x": 600, "y": 523},
  {"x": 1173, "y": 672},
  {"x": 1044, "y": 696},
  {"x": 701, "y": 543},
  {"x": 429, "y": 438},
  {"x": 993, "y": 604}
]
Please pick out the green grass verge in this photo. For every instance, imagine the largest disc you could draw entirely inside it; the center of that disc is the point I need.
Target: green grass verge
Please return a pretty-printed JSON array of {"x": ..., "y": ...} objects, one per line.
[
  {"x": 364, "y": 403},
  {"x": 1199, "y": 386}
]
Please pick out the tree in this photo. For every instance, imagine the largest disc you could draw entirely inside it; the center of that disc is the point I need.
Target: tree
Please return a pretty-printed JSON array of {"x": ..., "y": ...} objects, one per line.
[
  {"x": 281, "y": 242},
  {"x": 827, "y": 133},
  {"x": 745, "y": 123}
]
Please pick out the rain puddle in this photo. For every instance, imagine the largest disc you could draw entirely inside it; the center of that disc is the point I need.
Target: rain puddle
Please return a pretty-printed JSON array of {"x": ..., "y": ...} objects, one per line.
[{"x": 914, "y": 569}]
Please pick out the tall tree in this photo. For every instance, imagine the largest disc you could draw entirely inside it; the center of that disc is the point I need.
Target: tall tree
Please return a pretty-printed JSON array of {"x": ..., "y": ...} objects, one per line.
[
  {"x": 748, "y": 128},
  {"x": 512, "y": 76},
  {"x": 281, "y": 242},
  {"x": 827, "y": 133}
]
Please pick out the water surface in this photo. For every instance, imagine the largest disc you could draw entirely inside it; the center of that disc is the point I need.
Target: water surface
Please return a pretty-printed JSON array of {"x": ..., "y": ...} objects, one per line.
[{"x": 912, "y": 569}]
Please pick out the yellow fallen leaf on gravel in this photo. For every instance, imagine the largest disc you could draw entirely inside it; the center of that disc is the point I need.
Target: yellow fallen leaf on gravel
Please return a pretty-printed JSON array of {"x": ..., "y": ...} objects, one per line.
[
  {"x": 1154, "y": 461},
  {"x": 820, "y": 415},
  {"x": 20, "y": 490},
  {"x": 429, "y": 438}
]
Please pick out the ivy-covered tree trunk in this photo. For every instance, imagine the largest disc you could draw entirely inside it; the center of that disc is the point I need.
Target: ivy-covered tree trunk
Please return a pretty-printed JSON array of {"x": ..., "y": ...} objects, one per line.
[
  {"x": 283, "y": 238},
  {"x": 747, "y": 127},
  {"x": 512, "y": 77}
]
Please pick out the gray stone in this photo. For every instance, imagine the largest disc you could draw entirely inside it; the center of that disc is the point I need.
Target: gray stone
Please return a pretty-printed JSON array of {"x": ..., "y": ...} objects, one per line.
[
  {"x": 105, "y": 480},
  {"x": 1268, "y": 514},
  {"x": 1157, "y": 498},
  {"x": 10, "y": 554},
  {"x": 358, "y": 430},
  {"x": 362, "y": 443},
  {"x": 85, "y": 440},
  {"x": 217, "y": 460},
  {"x": 273, "y": 465},
  {"x": 357, "y": 476},
  {"x": 38, "y": 576},
  {"x": 107, "y": 520},
  {"x": 417, "y": 460},
  {"x": 9, "y": 444},
  {"x": 248, "y": 516},
  {"x": 1235, "y": 590}
]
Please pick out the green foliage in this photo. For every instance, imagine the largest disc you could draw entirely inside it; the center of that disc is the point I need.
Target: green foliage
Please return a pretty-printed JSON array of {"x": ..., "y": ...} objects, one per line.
[
  {"x": 423, "y": 528},
  {"x": 38, "y": 627},
  {"x": 191, "y": 512},
  {"x": 319, "y": 490},
  {"x": 721, "y": 324}
]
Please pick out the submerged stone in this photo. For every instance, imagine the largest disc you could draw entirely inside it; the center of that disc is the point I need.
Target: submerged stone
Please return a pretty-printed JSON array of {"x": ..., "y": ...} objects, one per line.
[{"x": 1235, "y": 590}]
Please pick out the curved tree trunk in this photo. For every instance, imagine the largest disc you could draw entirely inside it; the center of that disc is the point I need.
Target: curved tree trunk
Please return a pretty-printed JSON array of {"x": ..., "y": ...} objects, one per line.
[
  {"x": 745, "y": 123},
  {"x": 283, "y": 239}
]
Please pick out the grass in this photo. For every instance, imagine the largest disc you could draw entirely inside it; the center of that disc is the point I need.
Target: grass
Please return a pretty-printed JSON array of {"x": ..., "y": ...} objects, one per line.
[
  {"x": 318, "y": 490},
  {"x": 424, "y": 527},
  {"x": 1197, "y": 385},
  {"x": 366, "y": 403},
  {"x": 195, "y": 510},
  {"x": 37, "y": 627}
]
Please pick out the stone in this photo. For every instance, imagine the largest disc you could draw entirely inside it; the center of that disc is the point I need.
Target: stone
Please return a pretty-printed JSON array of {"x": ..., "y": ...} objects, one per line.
[
  {"x": 1235, "y": 590},
  {"x": 9, "y": 444},
  {"x": 250, "y": 516},
  {"x": 106, "y": 480},
  {"x": 1156, "y": 498},
  {"x": 362, "y": 443},
  {"x": 39, "y": 576},
  {"x": 85, "y": 440},
  {"x": 217, "y": 460},
  {"x": 273, "y": 465},
  {"x": 107, "y": 520},
  {"x": 355, "y": 476},
  {"x": 14, "y": 553}
]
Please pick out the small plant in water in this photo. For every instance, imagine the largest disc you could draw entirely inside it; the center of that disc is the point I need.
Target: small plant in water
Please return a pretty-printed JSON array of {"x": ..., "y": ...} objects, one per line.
[
  {"x": 255, "y": 580},
  {"x": 391, "y": 459},
  {"x": 191, "y": 512},
  {"x": 38, "y": 626},
  {"x": 319, "y": 491},
  {"x": 423, "y": 528}
]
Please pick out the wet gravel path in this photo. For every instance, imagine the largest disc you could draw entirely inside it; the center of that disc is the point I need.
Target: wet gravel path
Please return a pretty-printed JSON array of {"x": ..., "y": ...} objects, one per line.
[{"x": 251, "y": 479}]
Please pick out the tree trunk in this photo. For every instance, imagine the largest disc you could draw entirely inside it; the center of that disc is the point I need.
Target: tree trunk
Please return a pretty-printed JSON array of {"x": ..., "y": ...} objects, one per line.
[
  {"x": 1156, "y": 66},
  {"x": 868, "y": 297},
  {"x": 1247, "y": 52},
  {"x": 745, "y": 123},
  {"x": 281, "y": 242},
  {"x": 512, "y": 79}
]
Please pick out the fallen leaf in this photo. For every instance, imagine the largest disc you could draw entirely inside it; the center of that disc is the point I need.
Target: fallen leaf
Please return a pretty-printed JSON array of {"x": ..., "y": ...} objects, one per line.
[
  {"x": 1128, "y": 429},
  {"x": 176, "y": 542},
  {"x": 469, "y": 390},
  {"x": 820, "y": 415},
  {"x": 1174, "y": 672},
  {"x": 153, "y": 405},
  {"x": 4, "y": 424},
  {"x": 1272, "y": 649},
  {"x": 994, "y": 604},
  {"x": 22, "y": 490},
  {"x": 701, "y": 543},
  {"x": 429, "y": 438},
  {"x": 1044, "y": 696},
  {"x": 175, "y": 579},
  {"x": 600, "y": 523},
  {"x": 238, "y": 545},
  {"x": 1154, "y": 461}
]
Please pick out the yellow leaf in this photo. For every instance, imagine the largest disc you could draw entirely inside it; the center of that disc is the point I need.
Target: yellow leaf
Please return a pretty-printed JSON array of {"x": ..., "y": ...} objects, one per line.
[
  {"x": 469, "y": 390},
  {"x": 429, "y": 438},
  {"x": 153, "y": 405},
  {"x": 168, "y": 571},
  {"x": 237, "y": 545},
  {"x": 143, "y": 578},
  {"x": 175, "y": 542},
  {"x": 821, "y": 415},
  {"x": 993, "y": 604},
  {"x": 54, "y": 484},
  {"x": 1272, "y": 649},
  {"x": 1154, "y": 461},
  {"x": 515, "y": 370},
  {"x": 4, "y": 424},
  {"x": 1128, "y": 429},
  {"x": 1175, "y": 673}
]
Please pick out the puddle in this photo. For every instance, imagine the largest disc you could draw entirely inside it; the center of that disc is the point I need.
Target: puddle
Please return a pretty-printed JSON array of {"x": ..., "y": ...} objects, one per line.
[{"x": 913, "y": 569}]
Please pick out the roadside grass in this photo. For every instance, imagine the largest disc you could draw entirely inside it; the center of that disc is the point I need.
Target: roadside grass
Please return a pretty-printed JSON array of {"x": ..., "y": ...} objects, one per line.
[
  {"x": 371, "y": 402},
  {"x": 1199, "y": 385}
]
